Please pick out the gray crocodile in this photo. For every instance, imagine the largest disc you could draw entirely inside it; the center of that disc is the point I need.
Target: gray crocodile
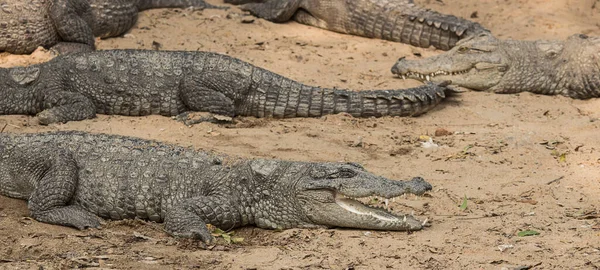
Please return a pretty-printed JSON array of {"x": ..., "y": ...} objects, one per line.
[
  {"x": 71, "y": 24},
  {"x": 394, "y": 20},
  {"x": 570, "y": 67},
  {"x": 142, "y": 82},
  {"x": 72, "y": 178}
]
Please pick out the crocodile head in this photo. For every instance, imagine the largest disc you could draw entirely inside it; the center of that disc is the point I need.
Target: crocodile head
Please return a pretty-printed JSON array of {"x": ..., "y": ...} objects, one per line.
[
  {"x": 477, "y": 63},
  {"x": 570, "y": 67},
  {"x": 324, "y": 194}
]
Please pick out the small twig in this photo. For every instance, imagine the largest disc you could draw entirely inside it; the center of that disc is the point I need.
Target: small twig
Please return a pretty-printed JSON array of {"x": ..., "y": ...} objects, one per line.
[
  {"x": 527, "y": 267},
  {"x": 481, "y": 217},
  {"x": 4, "y": 127},
  {"x": 81, "y": 261},
  {"x": 380, "y": 83},
  {"x": 555, "y": 180}
]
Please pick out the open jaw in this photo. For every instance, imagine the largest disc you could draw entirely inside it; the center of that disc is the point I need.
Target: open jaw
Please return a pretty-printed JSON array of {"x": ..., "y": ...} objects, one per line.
[
  {"x": 441, "y": 74},
  {"x": 376, "y": 218},
  {"x": 337, "y": 202},
  {"x": 482, "y": 76}
]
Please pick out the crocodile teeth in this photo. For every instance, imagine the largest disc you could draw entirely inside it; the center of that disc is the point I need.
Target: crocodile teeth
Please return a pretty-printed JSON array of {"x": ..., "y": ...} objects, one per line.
[
  {"x": 404, "y": 219},
  {"x": 425, "y": 222},
  {"x": 428, "y": 77}
]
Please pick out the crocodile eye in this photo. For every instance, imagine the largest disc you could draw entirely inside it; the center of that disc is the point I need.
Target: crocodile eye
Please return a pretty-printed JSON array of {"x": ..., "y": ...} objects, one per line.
[
  {"x": 342, "y": 173},
  {"x": 463, "y": 49},
  {"x": 346, "y": 173},
  {"x": 551, "y": 54},
  {"x": 502, "y": 68},
  {"x": 356, "y": 166}
]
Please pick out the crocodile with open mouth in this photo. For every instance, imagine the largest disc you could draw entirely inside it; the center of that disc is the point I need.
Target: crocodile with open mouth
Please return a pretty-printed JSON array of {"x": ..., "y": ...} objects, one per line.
[
  {"x": 71, "y": 178},
  {"x": 570, "y": 67}
]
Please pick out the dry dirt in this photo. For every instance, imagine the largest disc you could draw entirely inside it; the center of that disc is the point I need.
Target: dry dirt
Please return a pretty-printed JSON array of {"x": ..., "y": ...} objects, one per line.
[{"x": 522, "y": 161}]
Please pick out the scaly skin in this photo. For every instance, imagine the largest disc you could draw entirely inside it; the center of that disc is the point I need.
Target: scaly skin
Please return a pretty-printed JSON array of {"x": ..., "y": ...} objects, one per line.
[
  {"x": 27, "y": 24},
  {"x": 138, "y": 82},
  {"x": 570, "y": 68},
  {"x": 70, "y": 25},
  {"x": 394, "y": 20},
  {"x": 70, "y": 178},
  {"x": 115, "y": 17}
]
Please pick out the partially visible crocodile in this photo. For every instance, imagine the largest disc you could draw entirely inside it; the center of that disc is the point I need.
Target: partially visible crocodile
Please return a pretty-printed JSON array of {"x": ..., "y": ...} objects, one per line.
[
  {"x": 394, "y": 20},
  {"x": 142, "y": 82},
  {"x": 570, "y": 68},
  {"x": 70, "y": 178},
  {"x": 27, "y": 24}
]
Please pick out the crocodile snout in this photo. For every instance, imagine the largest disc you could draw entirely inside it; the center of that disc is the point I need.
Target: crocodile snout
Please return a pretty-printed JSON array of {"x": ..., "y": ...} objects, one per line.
[
  {"x": 398, "y": 68},
  {"x": 395, "y": 69}
]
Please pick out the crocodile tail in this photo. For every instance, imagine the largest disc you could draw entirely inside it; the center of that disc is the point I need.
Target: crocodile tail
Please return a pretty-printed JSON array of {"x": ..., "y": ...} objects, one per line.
[
  {"x": 377, "y": 103},
  {"x": 444, "y": 29},
  {"x": 279, "y": 97},
  {"x": 149, "y": 4},
  {"x": 410, "y": 24}
]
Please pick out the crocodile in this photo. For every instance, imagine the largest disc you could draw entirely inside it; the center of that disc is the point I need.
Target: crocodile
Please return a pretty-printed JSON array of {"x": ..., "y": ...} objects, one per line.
[
  {"x": 170, "y": 83},
  {"x": 394, "y": 20},
  {"x": 71, "y": 178},
  {"x": 568, "y": 67},
  {"x": 72, "y": 24}
]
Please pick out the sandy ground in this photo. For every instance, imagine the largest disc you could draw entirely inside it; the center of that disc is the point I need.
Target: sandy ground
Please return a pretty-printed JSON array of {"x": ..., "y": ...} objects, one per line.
[{"x": 522, "y": 161}]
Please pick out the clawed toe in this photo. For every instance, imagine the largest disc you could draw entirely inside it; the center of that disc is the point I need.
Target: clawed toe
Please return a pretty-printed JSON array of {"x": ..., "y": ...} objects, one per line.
[
  {"x": 88, "y": 224},
  {"x": 196, "y": 234},
  {"x": 46, "y": 118}
]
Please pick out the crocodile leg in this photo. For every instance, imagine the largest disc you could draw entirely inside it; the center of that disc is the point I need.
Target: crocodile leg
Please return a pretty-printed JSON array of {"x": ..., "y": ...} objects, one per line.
[
  {"x": 304, "y": 17},
  {"x": 50, "y": 175},
  {"x": 199, "y": 94},
  {"x": 63, "y": 106},
  {"x": 273, "y": 10},
  {"x": 189, "y": 218},
  {"x": 51, "y": 103},
  {"x": 72, "y": 19}
]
